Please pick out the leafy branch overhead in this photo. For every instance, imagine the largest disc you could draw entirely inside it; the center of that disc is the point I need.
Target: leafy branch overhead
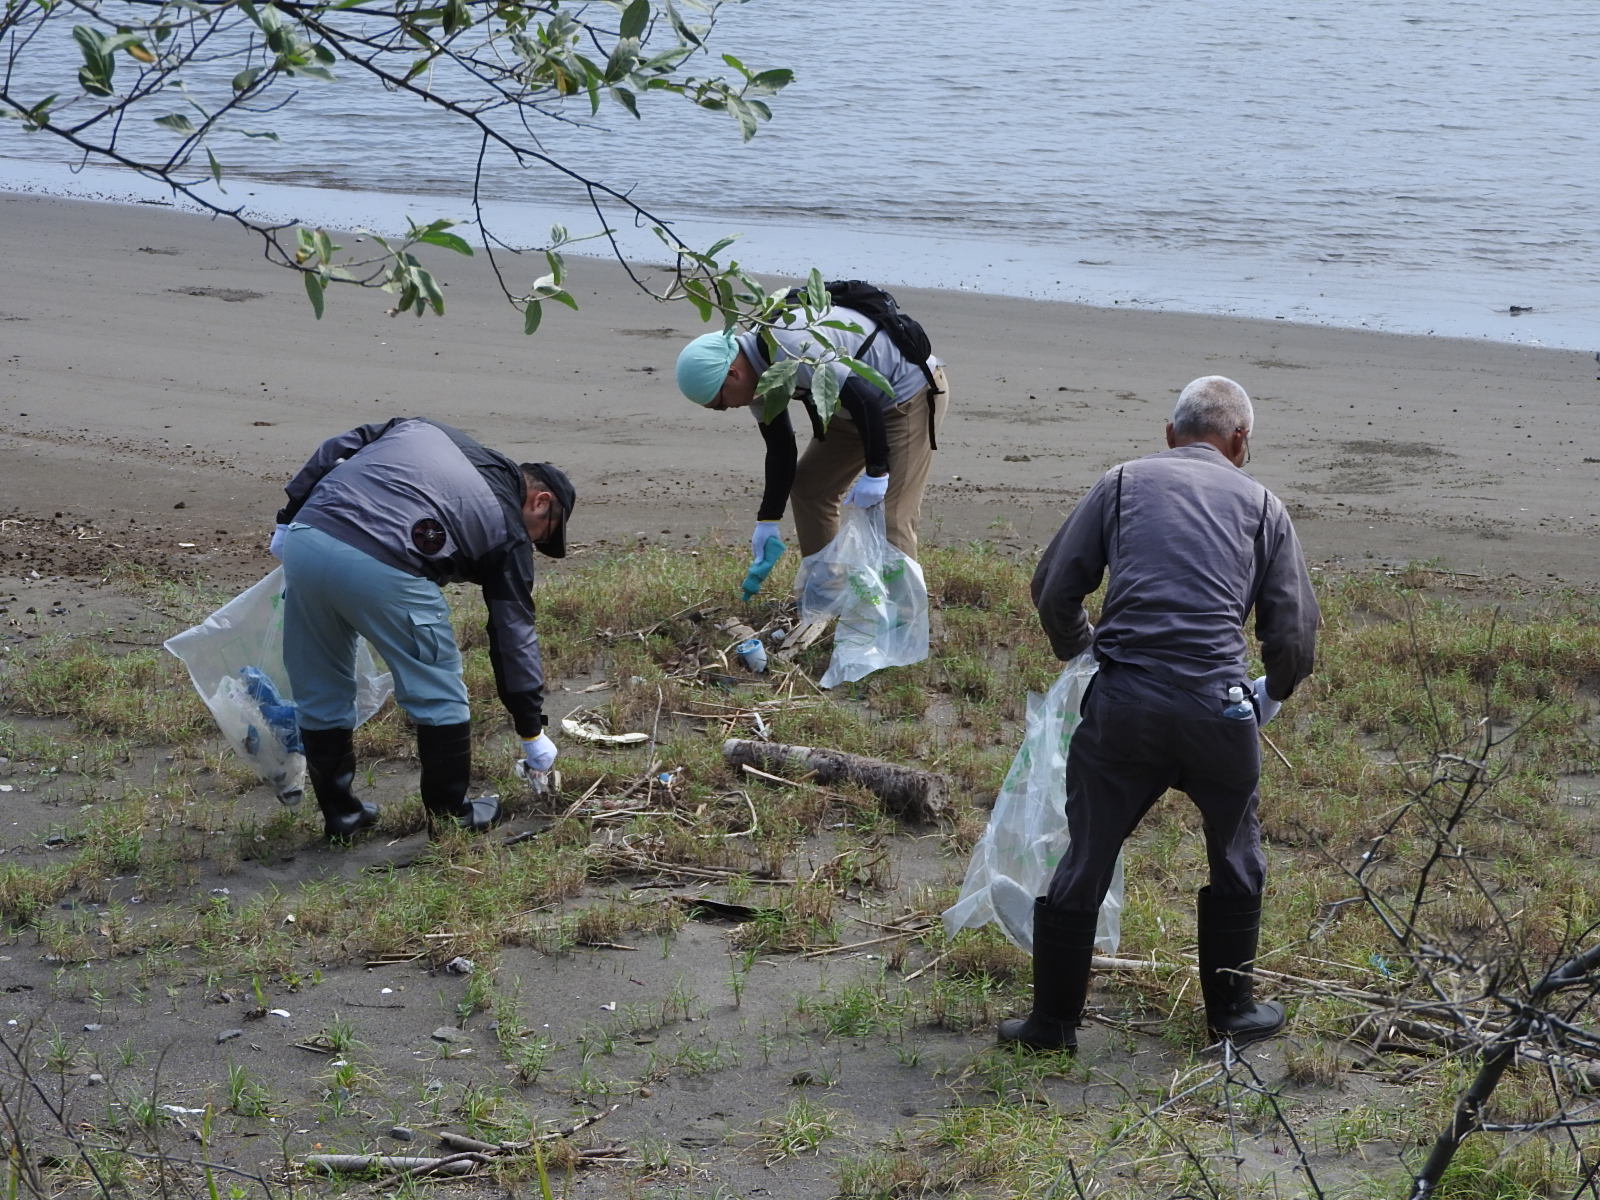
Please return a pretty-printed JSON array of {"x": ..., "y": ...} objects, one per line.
[{"x": 163, "y": 88}]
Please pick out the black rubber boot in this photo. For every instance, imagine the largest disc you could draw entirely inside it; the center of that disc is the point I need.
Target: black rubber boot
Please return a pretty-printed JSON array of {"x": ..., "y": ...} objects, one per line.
[
  {"x": 1229, "y": 930},
  {"x": 446, "y": 754},
  {"x": 331, "y": 767},
  {"x": 1063, "y": 943}
]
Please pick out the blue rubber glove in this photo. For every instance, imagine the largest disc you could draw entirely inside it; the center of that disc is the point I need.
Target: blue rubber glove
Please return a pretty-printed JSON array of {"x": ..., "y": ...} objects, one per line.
[
  {"x": 758, "y": 539},
  {"x": 762, "y": 567},
  {"x": 275, "y": 546},
  {"x": 867, "y": 491},
  {"x": 539, "y": 753},
  {"x": 1266, "y": 706}
]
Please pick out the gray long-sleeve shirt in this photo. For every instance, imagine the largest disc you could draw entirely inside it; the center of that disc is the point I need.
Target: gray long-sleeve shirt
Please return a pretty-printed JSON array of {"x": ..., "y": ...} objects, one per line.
[
  {"x": 426, "y": 498},
  {"x": 1192, "y": 544}
]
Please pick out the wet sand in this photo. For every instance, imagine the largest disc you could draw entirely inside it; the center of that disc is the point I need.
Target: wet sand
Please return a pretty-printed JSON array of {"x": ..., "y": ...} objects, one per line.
[{"x": 159, "y": 381}]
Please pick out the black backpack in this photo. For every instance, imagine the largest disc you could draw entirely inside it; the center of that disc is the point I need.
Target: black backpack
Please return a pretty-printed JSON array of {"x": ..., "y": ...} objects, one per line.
[{"x": 905, "y": 332}]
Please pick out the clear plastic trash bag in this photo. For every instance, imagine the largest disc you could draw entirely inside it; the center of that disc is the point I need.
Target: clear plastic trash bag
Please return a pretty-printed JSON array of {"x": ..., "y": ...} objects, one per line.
[
  {"x": 235, "y": 658},
  {"x": 1027, "y": 834},
  {"x": 875, "y": 591}
]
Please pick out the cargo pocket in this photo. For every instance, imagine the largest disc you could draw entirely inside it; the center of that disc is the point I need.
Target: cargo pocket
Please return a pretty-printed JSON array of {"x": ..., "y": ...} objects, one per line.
[{"x": 433, "y": 640}]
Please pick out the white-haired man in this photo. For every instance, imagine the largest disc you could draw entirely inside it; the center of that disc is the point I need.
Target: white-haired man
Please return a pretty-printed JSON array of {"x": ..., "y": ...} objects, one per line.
[{"x": 1191, "y": 544}]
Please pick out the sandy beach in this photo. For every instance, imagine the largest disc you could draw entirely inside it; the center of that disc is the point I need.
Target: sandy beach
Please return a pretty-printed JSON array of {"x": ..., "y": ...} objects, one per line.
[{"x": 161, "y": 381}]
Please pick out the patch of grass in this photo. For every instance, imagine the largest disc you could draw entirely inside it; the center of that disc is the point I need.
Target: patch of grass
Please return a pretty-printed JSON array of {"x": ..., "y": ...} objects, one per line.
[
  {"x": 1402, "y": 672},
  {"x": 801, "y": 1128},
  {"x": 247, "y": 1095}
]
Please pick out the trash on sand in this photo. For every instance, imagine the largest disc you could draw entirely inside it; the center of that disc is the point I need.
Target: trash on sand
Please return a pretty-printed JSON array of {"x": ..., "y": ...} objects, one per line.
[{"x": 591, "y": 732}]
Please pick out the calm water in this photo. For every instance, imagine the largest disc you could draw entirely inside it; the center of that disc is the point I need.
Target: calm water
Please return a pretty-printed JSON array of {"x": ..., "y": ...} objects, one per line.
[{"x": 1416, "y": 167}]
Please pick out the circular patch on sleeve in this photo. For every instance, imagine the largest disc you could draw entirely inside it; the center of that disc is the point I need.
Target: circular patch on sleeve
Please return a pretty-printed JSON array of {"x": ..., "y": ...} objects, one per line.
[{"x": 428, "y": 536}]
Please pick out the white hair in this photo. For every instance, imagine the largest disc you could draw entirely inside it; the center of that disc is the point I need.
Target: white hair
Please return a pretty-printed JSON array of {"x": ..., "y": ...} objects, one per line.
[{"x": 1212, "y": 404}]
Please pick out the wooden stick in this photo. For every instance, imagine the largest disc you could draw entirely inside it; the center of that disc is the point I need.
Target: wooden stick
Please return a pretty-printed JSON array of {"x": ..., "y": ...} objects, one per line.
[
  {"x": 888, "y": 937},
  {"x": 404, "y": 1164},
  {"x": 1275, "y": 749}
]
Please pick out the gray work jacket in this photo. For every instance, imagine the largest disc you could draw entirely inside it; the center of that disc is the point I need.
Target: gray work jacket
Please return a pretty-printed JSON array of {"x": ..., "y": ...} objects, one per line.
[
  {"x": 426, "y": 498},
  {"x": 1192, "y": 545}
]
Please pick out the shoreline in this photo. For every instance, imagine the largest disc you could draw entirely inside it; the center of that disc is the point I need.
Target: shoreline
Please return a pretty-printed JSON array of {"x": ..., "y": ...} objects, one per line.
[
  {"x": 161, "y": 382},
  {"x": 1327, "y": 294}
]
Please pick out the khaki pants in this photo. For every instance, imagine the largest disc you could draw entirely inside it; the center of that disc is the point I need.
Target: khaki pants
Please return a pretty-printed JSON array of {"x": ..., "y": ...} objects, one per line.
[{"x": 828, "y": 468}]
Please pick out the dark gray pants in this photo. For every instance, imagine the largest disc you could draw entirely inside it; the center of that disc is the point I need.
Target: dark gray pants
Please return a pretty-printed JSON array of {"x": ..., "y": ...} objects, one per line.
[{"x": 1141, "y": 735}]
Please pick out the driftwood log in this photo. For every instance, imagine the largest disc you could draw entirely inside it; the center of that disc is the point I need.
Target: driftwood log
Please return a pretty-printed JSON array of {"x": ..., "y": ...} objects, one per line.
[
  {"x": 355, "y": 1164},
  {"x": 906, "y": 792}
]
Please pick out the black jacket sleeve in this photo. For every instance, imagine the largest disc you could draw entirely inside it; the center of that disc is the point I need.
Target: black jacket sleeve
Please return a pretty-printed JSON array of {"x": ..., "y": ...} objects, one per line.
[
  {"x": 782, "y": 455},
  {"x": 865, "y": 403},
  {"x": 513, "y": 642}
]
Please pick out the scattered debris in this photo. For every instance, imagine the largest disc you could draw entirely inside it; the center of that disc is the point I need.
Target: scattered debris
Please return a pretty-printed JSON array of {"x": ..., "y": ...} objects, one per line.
[{"x": 590, "y": 728}]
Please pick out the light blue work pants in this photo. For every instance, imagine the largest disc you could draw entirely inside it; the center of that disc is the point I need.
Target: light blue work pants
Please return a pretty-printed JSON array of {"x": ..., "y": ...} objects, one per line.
[{"x": 335, "y": 592}]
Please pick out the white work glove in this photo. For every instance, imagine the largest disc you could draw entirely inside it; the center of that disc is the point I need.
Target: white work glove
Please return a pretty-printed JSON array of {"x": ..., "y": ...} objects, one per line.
[
  {"x": 867, "y": 491},
  {"x": 275, "y": 546},
  {"x": 758, "y": 539},
  {"x": 1266, "y": 706},
  {"x": 539, "y": 753}
]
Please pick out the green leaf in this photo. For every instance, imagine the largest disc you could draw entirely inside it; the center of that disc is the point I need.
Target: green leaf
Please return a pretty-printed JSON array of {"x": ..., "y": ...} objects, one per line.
[
  {"x": 694, "y": 291},
  {"x": 867, "y": 373},
  {"x": 314, "y": 291},
  {"x": 430, "y": 289},
  {"x": 623, "y": 57},
  {"x": 775, "y": 388},
  {"x": 91, "y": 41},
  {"x": 742, "y": 113},
  {"x": 243, "y": 80},
  {"x": 216, "y": 170},
  {"x": 95, "y": 75},
  {"x": 772, "y": 81},
  {"x": 437, "y": 237},
  {"x": 531, "y": 317},
  {"x": 681, "y": 27},
  {"x": 817, "y": 297},
  {"x": 176, "y": 122},
  {"x": 626, "y": 98},
  {"x": 635, "y": 18},
  {"x": 38, "y": 116},
  {"x": 824, "y": 393}
]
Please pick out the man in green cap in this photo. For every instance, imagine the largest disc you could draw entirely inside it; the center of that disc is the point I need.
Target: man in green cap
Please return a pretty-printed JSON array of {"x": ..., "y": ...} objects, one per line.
[{"x": 876, "y": 450}]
